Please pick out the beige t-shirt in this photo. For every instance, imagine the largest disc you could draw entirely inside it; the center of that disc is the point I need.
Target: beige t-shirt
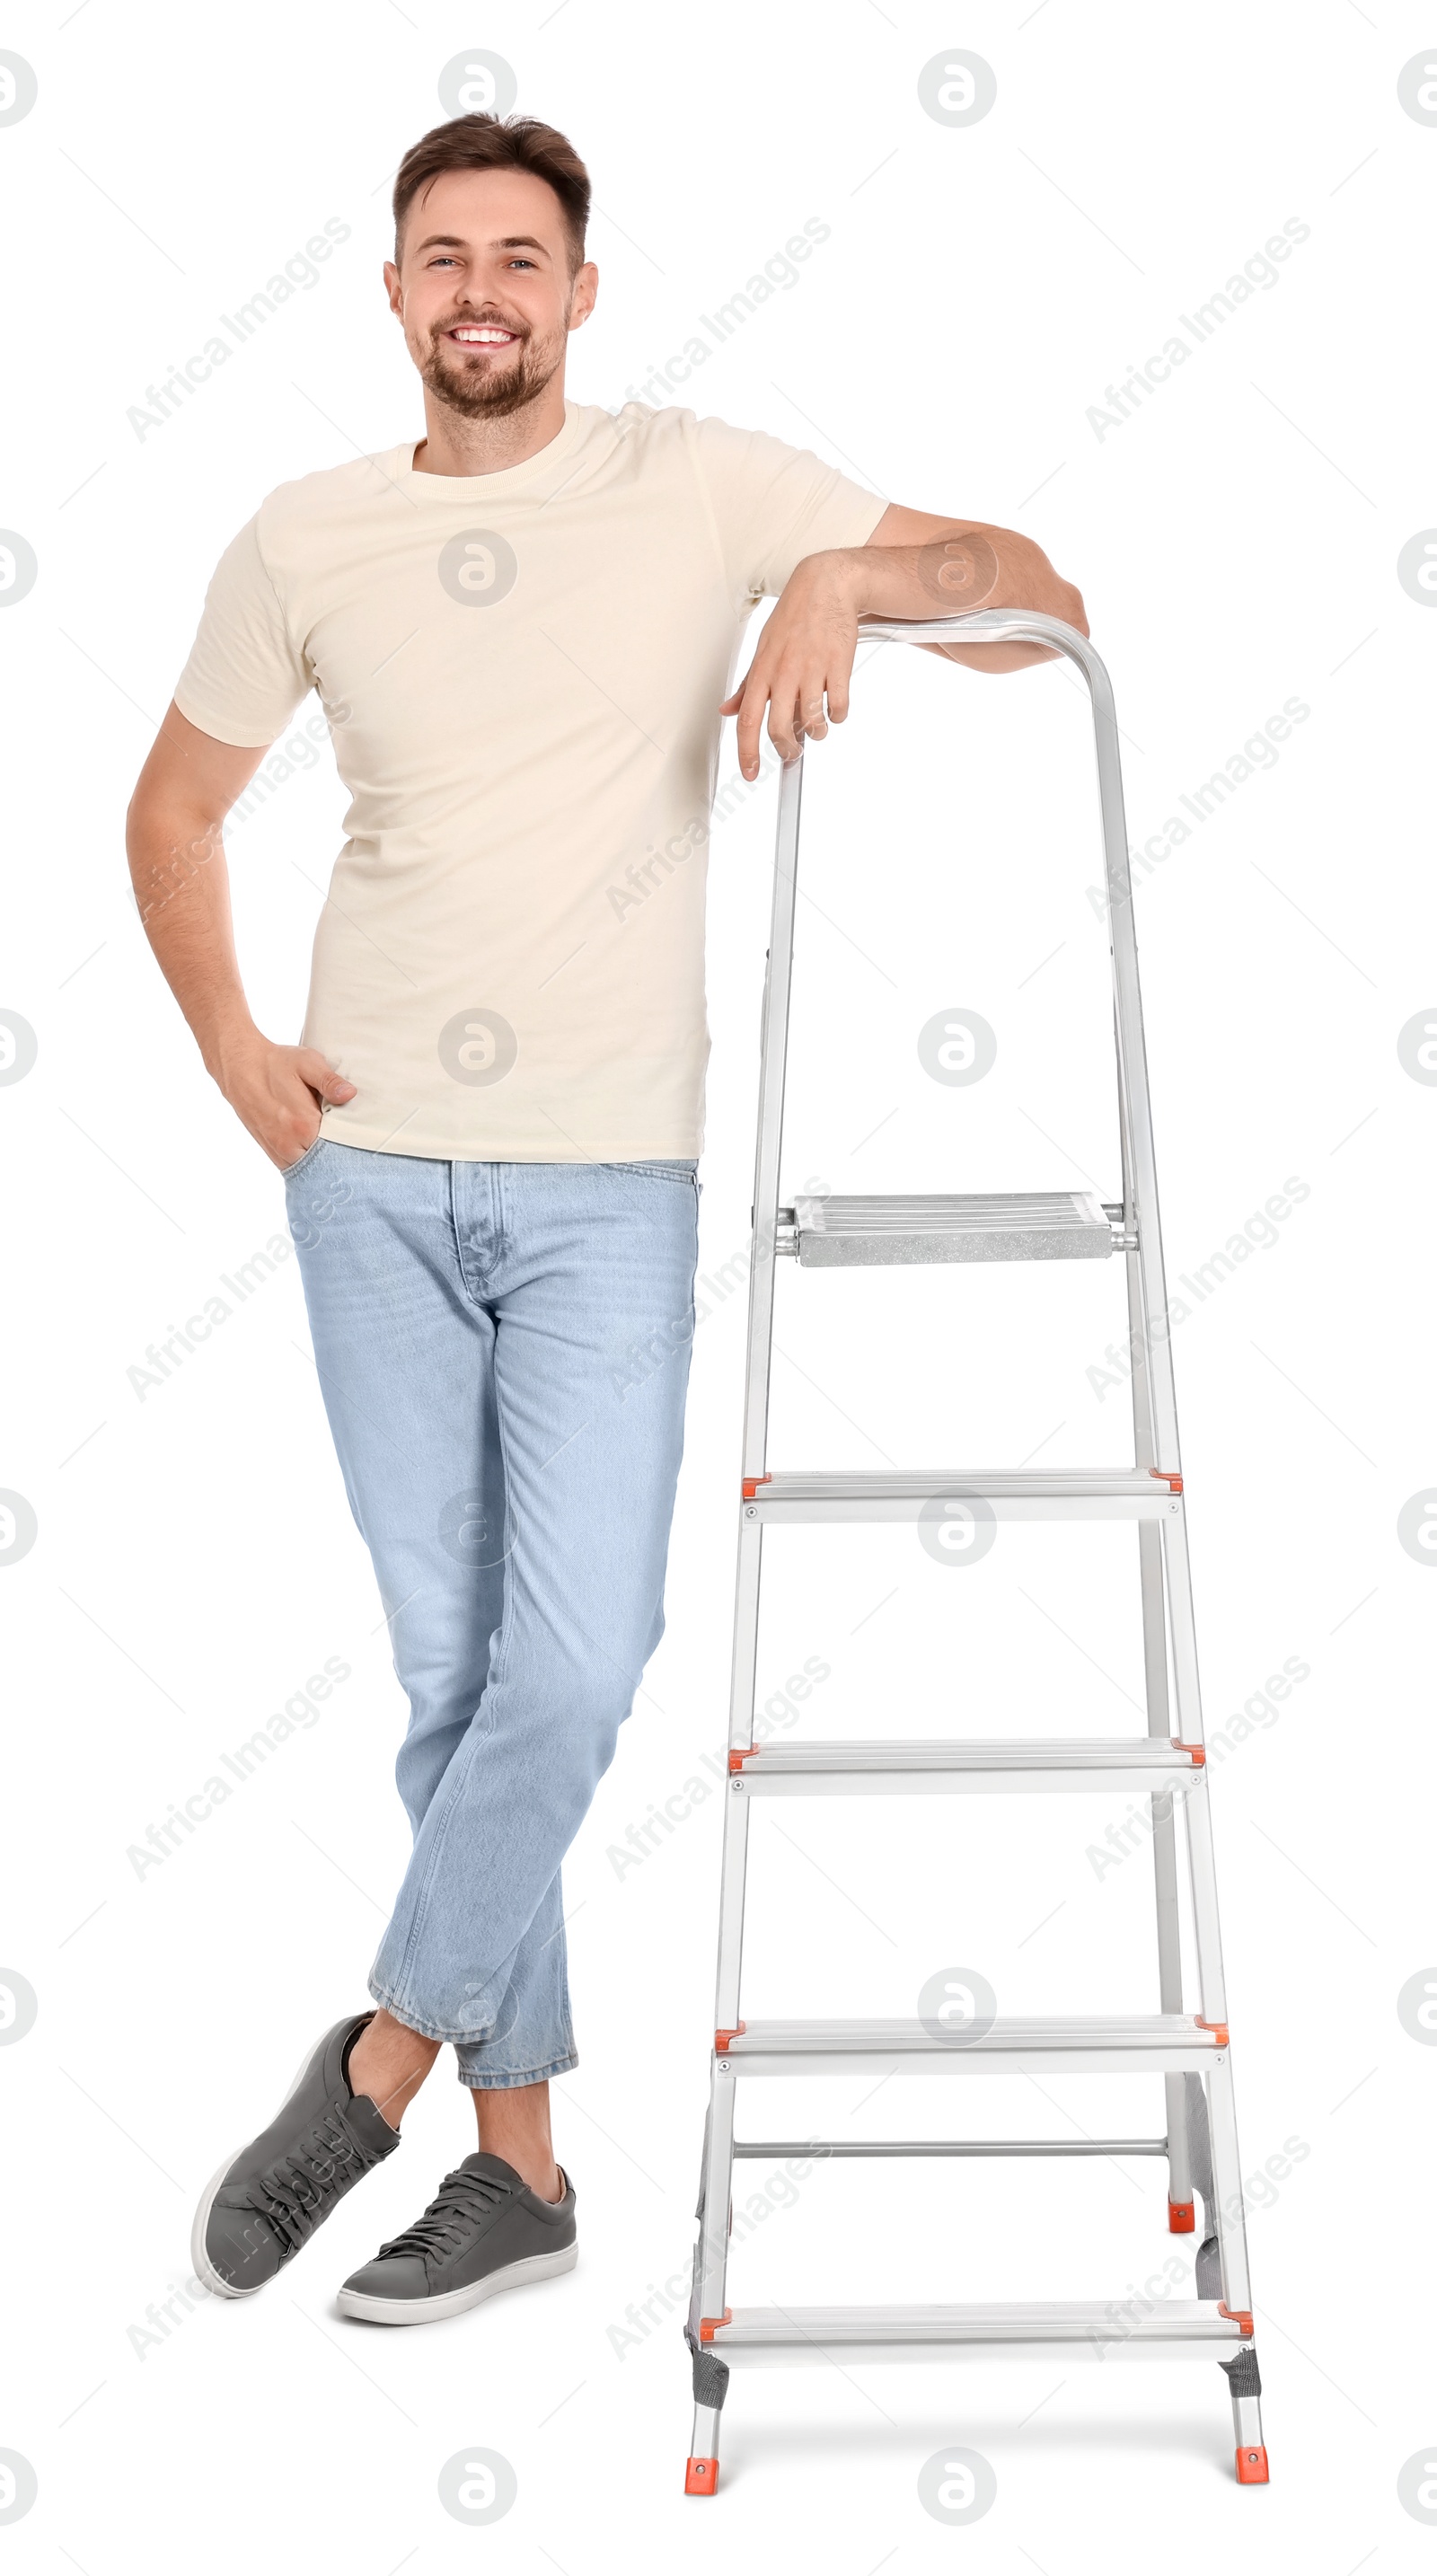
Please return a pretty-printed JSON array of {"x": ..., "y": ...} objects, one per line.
[{"x": 522, "y": 673}]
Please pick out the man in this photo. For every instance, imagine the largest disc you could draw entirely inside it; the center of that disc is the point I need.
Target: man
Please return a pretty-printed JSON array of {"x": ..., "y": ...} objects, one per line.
[{"x": 522, "y": 631}]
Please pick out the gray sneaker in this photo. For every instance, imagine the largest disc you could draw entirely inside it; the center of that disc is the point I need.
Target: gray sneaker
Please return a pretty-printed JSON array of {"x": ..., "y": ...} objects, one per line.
[
  {"x": 267, "y": 2201},
  {"x": 483, "y": 2231}
]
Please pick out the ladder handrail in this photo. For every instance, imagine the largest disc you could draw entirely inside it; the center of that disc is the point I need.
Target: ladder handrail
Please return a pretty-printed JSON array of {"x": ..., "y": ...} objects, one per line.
[{"x": 1024, "y": 626}]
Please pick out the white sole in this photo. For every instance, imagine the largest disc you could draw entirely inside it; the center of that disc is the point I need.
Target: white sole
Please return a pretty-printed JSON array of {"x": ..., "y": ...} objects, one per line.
[
  {"x": 204, "y": 2269},
  {"x": 451, "y": 2303}
]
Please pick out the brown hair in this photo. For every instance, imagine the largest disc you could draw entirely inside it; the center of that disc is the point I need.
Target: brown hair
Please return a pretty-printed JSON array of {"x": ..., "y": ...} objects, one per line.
[{"x": 499, "y": 143}]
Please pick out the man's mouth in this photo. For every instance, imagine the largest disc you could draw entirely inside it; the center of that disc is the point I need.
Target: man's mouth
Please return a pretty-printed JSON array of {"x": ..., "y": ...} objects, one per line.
[{"x": 481, "y": 335}]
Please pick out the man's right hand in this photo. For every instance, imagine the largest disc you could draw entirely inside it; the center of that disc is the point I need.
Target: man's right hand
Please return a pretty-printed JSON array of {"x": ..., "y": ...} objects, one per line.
[{"x": 277, "y": 1092}]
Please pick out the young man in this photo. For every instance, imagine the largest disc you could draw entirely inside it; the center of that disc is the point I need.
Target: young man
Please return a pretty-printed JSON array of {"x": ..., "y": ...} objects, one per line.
[{"x": 522, "y": 631}]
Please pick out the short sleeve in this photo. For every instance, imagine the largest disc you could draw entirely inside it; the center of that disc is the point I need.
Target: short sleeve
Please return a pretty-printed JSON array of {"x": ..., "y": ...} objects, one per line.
[
  {"x": 245, "y": 675},
  {"x": 775, "y": 504}
]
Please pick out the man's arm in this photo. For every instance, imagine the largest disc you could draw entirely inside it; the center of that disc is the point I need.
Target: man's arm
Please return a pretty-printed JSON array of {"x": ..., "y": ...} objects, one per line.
[
  {"x": 175, "y": 839},
  {"x": 914, "y": 565}
]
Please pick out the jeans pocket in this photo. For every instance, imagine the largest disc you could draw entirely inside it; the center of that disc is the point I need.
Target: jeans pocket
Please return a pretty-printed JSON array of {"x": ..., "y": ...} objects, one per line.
[
  {"x": 659, "y": 1171},
  {"x": 291, "y": 1170}
]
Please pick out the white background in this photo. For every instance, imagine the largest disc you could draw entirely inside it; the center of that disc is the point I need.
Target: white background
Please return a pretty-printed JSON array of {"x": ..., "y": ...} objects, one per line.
[{"x": 1236, "y": 541}]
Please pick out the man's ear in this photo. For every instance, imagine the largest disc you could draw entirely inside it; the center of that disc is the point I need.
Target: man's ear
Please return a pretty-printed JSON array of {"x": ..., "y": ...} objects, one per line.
[
  {"x": 391, "y": 286},
  {"x": 583, "y": 294}
]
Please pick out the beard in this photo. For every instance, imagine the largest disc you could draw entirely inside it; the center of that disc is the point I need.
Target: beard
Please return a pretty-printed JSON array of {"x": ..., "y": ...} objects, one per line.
[{"x": 478, "y": 385}]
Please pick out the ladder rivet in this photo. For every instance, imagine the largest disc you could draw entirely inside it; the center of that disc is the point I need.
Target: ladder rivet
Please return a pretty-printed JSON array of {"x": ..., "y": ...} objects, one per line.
[{"x": 752, "y": 1512}]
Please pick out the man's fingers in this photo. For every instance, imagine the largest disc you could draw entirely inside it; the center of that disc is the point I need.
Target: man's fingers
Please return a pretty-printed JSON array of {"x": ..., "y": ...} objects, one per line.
[
  {"x": 812, "y": 716},
  {"x": 753, "y": 698},
  {"x": 785, "y": 727},
  {"x": 319, "y": 1076}
]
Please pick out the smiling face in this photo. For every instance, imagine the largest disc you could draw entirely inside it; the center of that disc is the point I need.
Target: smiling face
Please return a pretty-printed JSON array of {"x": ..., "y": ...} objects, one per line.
[{"x": 483, "y": 289}]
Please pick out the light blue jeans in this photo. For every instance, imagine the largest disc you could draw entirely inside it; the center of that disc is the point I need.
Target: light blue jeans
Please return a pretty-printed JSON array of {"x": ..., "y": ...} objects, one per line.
[{"x": 503, "y": 1350}]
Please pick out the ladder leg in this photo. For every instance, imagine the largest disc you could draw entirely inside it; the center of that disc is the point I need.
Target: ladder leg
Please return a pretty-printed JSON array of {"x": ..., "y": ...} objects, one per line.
[
  {"x": 710, "y": 2270},
  {"x": 1187, "y": 1694},
  {"x": 1242, "y": 2371},
  {"x": 1155, "y": 1676},
  {"x": 1165, "y": 1872},
  {"x": 1245, "y": 2382}
]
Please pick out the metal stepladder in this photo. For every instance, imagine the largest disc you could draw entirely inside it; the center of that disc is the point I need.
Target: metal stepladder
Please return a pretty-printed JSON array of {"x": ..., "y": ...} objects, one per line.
[{"x": 1190, "y": 2051}]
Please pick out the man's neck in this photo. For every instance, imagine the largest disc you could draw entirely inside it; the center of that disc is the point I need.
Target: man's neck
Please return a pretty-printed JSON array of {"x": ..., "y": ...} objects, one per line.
[{"x": 455, "y": 444}]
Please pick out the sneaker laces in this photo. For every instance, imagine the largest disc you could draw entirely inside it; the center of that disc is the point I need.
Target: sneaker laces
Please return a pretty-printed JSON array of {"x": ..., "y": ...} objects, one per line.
[
  {"x": 299, "y": 2190},
  {"x": 463, "y": 2206}
]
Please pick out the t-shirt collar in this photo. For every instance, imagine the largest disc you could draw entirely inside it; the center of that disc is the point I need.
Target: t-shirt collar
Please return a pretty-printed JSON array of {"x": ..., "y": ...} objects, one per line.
[{"x": 431, "y": 490}]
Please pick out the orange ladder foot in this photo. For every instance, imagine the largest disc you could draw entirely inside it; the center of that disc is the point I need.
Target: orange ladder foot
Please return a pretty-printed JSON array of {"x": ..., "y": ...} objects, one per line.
[
  {"x": 1252, "y": 2467},
  {"x": 1180, "y": 2217},
  {"x": 701, "y": 2476}
]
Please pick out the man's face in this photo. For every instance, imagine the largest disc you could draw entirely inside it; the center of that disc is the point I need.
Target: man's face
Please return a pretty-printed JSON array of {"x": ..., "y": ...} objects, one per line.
[{"x": 483, "y": 289}]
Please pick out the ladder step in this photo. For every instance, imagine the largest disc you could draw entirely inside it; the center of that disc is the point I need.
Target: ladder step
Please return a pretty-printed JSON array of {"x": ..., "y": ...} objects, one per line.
[
  {"x": 772, "y": 2150},
  {"x": 1067, "y": 2330},
  {"x": 1099, "y": 2044},
  {"x": 1151, "y": 1763},
  {"x": 991, "y": 1493},
  {"x": 999, "y": 1225}
]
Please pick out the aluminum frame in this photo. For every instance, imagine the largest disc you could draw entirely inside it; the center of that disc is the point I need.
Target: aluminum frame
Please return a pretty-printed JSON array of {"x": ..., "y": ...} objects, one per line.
[{"x": 1189, "y": 2053}]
